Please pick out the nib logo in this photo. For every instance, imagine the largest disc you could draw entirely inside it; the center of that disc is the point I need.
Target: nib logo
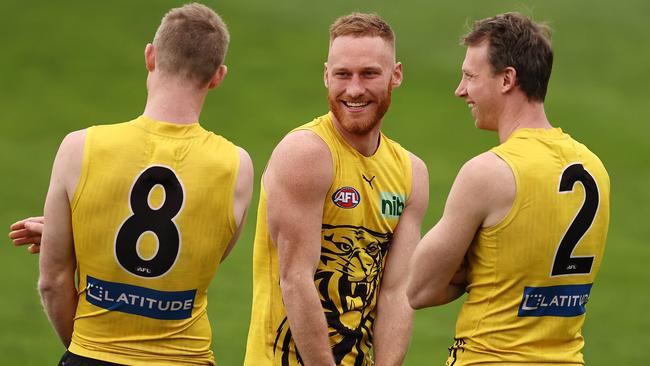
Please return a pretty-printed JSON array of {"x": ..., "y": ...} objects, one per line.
[{"x": 391, "y": 204}]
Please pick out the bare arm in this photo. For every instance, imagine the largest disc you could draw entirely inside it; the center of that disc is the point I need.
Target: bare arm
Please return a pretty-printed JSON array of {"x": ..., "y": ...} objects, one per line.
[
  {"x": 394, "y": 315},
  {"x": 57, "y": 262},
  {"x": 243, "y": 194},
  {"x": 481, "y": 195},
  {"x": 296, "y": 181},
  {"x": 28, "y": 231}
]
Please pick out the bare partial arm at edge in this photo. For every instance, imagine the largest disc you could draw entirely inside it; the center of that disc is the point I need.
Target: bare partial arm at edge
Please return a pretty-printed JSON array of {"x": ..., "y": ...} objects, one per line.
[
  {"x": 394, "y": 315},
  {"x": 57, "y": 262},
  {"x": 243, "y": 194},
  {"x": 296, "y": 182}
]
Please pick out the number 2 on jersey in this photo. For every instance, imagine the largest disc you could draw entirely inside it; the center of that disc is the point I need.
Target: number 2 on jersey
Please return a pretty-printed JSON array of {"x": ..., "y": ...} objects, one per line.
[
  {"x": 157, "y": 221},
  {"x": 564, "y": 263}
]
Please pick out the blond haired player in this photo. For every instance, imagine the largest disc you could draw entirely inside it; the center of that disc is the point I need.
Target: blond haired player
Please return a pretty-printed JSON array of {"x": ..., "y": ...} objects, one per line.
[
  {"x": 143, "y": 212},
  {"x": 529, "y": 217},
  {"x": 339, "y": 215}
]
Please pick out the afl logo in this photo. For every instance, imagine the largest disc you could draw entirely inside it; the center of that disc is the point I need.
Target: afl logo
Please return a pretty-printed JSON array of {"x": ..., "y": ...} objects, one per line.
[{"x": 346, "y": 197}]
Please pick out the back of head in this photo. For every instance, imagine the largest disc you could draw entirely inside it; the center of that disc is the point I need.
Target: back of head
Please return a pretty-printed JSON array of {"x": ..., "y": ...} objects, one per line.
[
  {"x": 518, "y": 42},
  {"x": 191, "y": 43},
  {"x": 362, "y": 25}
]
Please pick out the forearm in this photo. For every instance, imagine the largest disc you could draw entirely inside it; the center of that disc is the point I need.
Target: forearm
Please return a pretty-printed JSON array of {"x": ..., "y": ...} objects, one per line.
[
  {"x": 392, "y": 328},
  {"x": 307, "y": 321},
  {"x": 60, "y": 304}
]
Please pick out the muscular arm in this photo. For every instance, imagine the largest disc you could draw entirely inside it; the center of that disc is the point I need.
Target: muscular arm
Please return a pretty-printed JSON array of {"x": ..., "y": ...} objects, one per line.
[
  {"x": 481, "y": 195},
  {"x": 296, "y": 181},
  {"x": 394, "y": 315},
  {"x": 57, "y": 263},
  {"x": 243, "y": 194}
]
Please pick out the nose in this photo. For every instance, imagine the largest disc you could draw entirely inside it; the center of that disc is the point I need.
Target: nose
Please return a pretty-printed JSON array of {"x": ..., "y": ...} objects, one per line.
[
  {"x": 461, "y": 90},
  {"x": 355, "y": 87}
]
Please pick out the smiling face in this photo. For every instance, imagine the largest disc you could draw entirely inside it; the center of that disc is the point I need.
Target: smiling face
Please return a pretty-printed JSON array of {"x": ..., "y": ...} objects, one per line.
[
  {"x": 360, "y": 74},
  {"x": 481, "y": 88}
]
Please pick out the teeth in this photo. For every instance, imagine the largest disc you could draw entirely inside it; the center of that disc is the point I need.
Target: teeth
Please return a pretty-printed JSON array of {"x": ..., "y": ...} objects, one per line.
[{"x": 353, "y": 104}]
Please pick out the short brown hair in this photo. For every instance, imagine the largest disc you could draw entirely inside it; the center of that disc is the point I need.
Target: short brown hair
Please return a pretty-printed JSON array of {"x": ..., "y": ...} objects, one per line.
[
  {"x": 518, "y": 42},
  {"x": 362, "y": 25},
  {"x": 191, "y": 42}
]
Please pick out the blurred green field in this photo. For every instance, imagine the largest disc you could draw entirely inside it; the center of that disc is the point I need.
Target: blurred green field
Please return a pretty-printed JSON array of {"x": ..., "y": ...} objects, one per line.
[{"x": 66, "y": 65}]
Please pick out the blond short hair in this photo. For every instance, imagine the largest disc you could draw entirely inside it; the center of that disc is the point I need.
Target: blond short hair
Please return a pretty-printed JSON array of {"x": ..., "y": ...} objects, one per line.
[
  {"x": 362, "y": 25},
  {"x": 191, "y": 42}
]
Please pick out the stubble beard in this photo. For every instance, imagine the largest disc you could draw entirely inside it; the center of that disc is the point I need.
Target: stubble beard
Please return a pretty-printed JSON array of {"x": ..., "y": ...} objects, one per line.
[{"x": 360, "y": 126}]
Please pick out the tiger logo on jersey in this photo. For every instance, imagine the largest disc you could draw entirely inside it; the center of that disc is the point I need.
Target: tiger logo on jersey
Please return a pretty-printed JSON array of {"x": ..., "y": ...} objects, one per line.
[{"x": 347, "y": 279}]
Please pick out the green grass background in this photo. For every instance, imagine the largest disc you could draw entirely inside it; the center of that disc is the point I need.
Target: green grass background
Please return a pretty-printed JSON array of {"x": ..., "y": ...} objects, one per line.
[{"x": 66, "y": 65}]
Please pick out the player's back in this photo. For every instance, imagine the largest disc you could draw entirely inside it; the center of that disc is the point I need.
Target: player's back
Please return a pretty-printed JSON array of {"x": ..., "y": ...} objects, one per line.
[
  {"x": 152, "y": 216},
  {"x": 530, "y": 276}
]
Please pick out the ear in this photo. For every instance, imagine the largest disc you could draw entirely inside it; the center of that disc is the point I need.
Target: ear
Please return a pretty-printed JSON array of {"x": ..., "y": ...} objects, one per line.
[
  {"x": 509, "y": 79},
  {"x": 325, "y": 76},
  {"x": 150, "y": 57},
  {"x": 398, "y": 76},
  {"x": 218, "y": 76}
]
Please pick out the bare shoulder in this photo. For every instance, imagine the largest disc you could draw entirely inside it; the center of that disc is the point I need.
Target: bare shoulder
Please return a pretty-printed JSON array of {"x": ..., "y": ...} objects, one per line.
[
  {"x": 419, "y": 184},
  {"x": 245, "y": 163},
  {"x": 419, "y": 167},
  {"x": 489, "y": 181},
  {"x": 73, "y": 143},
  {"x": 486, "y": 168},
  {"x": 301, "y": 160}
]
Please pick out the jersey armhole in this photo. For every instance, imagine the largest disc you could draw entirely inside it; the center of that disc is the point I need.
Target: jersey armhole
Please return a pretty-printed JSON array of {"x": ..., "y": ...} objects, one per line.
[
  {"x": 409, "y": 174},
  {"x": 85, "y": 167},
  {"x": 232, "y": 220}
]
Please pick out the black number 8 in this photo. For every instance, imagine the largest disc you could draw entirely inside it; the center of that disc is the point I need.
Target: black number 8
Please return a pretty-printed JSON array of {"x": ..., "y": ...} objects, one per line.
[
  {"x": 564, "y": 263},
  {"x": 158, "y": 221}
]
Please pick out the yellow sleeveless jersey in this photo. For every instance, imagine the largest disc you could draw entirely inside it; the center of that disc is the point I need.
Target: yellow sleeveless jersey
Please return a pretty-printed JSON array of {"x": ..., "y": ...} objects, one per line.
[
  {"x": 530, "y": 276},
  {"x": 361, "y": 211},
  {"x": 151, "y": 217}
]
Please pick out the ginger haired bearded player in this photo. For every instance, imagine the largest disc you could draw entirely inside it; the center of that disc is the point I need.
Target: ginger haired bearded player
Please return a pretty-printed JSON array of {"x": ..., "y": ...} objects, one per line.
[{"x": 330, "y": 258}]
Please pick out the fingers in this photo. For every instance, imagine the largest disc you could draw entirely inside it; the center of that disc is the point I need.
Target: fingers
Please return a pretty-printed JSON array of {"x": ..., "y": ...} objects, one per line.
[
  {"x": 35, "y": 227},
  {"x": 21, "y": 223},
  {"x": 28, "y": 231},
  {"x": 18, "y": 233},
  {"x": 27, "y": 240}
]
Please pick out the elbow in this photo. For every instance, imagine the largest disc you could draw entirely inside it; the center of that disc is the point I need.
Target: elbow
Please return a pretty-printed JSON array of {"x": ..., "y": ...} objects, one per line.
[
  {"x": 46, "y": 288},
  {"x": 51, "y": 286},
  {"x": 416, "y": 301},
  {"x": 294, "y": 283},
  {"x": 423, "y": 298}
]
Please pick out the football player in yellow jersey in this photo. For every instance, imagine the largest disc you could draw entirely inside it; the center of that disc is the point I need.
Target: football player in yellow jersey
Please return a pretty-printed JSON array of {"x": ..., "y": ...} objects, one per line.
[
  {"x": 330, "y": 259},
  {"x": 131, "y": 305},
  {"x": 524, "y": 227}
]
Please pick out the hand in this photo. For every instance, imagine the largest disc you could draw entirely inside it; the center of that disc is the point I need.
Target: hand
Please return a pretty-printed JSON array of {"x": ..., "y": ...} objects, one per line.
[{"x": 28, "y": 231}]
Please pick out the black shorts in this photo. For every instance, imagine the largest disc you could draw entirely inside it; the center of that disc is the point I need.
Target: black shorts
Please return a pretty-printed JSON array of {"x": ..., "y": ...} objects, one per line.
[{"x": 70, "y": 359}]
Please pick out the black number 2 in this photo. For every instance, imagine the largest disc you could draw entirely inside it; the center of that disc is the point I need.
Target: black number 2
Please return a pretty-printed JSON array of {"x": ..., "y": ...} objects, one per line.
[
  {"x": 564, "y": 263},
  {"x": 158, "y": 221}
]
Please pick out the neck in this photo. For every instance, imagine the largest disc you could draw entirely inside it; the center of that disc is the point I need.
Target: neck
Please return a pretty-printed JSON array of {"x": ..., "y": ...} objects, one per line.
[
  {"x": 171, "y": 101},
  {"x": 523, "y": 114},
  {"x": 366, "y": 144}
]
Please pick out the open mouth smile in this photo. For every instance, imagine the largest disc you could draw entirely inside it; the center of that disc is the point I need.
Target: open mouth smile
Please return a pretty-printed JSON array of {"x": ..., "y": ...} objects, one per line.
[{"x": 355, "y": 105}]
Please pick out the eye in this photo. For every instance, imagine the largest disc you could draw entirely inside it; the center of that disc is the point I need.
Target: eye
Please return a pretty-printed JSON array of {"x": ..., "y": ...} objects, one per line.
[
  {"x": 372, "y": 248},
  {"x": 370, "y": 73},
  {"x": 342, "y": 74}
]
